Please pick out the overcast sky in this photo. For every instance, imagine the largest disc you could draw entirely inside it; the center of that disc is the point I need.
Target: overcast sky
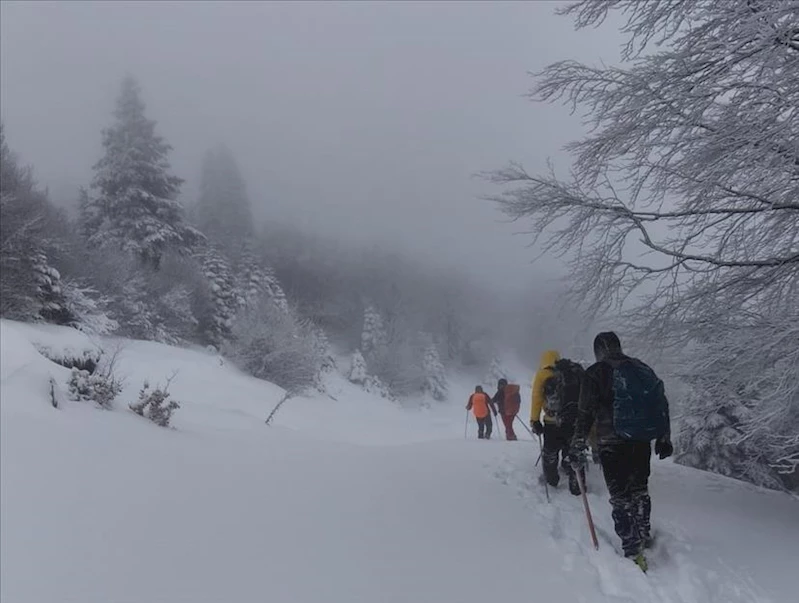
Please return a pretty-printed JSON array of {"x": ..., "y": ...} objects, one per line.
[{"x": 363, "y": 120}]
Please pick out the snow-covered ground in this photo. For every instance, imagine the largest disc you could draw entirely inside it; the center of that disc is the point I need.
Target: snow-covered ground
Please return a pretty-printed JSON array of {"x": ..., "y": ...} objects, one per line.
[{"x": 345, "y": 498}]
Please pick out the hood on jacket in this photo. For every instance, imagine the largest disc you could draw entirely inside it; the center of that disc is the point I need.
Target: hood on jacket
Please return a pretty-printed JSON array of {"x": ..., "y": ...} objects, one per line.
[
  {"x": 510, "y": 389},
  {"x": 606, "y": 345},
  {"x": 548, "y": 358}
]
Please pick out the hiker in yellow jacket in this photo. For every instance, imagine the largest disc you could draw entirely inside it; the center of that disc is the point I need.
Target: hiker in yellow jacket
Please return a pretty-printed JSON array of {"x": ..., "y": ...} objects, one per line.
[{"x": 556, "y": 391}]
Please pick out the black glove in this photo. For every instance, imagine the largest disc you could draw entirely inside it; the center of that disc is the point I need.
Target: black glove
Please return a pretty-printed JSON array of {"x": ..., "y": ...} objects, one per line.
[
  {"x": 663, "y": 448},
  {"x": 538, "y": 428},
  {"x": 495, "y": 413},
  {"x": 577, "y": 458}
]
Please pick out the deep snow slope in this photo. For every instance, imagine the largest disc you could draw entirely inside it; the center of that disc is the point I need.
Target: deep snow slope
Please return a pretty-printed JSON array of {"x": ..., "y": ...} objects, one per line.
[{"x": 346, "y": 498}]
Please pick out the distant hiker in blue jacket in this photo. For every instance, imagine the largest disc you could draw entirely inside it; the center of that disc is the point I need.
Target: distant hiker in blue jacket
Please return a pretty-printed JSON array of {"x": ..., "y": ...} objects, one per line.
[{"x": 628, "y": 404}]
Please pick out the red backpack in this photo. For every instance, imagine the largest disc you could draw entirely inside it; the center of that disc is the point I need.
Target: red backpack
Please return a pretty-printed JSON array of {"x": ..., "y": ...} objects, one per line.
[{"x": 512, "y": 401}]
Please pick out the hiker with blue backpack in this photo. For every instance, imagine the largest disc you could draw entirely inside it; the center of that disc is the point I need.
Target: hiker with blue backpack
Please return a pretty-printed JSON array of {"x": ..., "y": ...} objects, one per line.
[{"x": 627, "y": 402}]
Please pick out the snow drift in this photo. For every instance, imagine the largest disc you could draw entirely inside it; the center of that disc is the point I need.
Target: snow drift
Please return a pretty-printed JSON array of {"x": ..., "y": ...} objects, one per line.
[{"x": 101, "y": 506}]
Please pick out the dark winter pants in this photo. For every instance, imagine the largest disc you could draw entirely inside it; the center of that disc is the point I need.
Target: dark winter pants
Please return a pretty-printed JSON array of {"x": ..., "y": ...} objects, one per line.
[
  {"x": 484, "y": 427},
  {"x": 626, "y": 469},
  {"x": 556, "y": 444},
  {"x": 508, "y": 421}
]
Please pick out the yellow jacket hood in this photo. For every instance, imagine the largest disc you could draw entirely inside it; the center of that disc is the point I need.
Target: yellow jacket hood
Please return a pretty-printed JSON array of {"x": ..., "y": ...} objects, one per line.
[{"x": 548, "y": 358}]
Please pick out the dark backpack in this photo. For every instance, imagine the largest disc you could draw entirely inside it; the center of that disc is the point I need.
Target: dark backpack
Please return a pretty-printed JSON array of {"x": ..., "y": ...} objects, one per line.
[
  {"x": 562, "y": 390},
  {"x": 640, "y": 407}
]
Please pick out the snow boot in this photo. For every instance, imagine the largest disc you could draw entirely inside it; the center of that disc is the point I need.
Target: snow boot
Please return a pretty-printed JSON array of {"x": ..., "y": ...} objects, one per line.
[{"x": 574, "y": 484}]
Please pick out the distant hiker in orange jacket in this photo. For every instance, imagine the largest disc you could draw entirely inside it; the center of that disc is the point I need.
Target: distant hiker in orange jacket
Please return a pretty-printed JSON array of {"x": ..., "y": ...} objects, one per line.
[
  {"x": 508, "y": 401},
  {"x": 482, "y": 407}
]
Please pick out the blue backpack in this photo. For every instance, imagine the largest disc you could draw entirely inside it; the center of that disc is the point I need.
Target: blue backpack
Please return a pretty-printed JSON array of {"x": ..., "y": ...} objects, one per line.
[{"x": 640, "y": 407}]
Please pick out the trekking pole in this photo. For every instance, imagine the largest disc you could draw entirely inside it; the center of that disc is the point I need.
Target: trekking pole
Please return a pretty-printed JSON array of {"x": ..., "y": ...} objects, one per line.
[
  {"x": 524, "y": 425},
  {"x": 466, "y": 425},
  {"x": 581, "y": 480},
  {"x": 540, "y": 454},
  {"x": 546, "y": 485}
]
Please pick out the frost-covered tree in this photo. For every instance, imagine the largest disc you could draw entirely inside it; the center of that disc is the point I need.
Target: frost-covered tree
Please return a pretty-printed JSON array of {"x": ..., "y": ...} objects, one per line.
[
  {"x": 225, "y": 299},
  {"x": 692, "y": 157},
  {"x": 435, "y": 375},
  {"x": 49, "y": 292},
  {"x": 24, "y": 211},
  {"x": 741, "y": 413},
  {"x": 495, "y": 372},
  {"x": 257, "y": 280},
  {"x": 374, "y": 338},
  {"x": 223, "y": 209},
  {"x": 135, "y": 205},
  {"x": 358, "y": 371},
  {"x": 359, "y": 374},
  {"x": 270, "y": 344}
]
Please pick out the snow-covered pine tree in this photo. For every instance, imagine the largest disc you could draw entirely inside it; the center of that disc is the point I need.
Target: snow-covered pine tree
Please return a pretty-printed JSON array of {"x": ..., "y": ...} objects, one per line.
[
  {"x": 223, "y": 210},
  {"x": 435, "y": 377},
  {"x": 495, "y": 372},
  {"x": 135, "y": 206},
  {"x": 358, "y": 372},
  {"x": 49, "y": 292},
  {"x": 23, "y": 215},
  {"x": 373, "y": 337},
  {"x": 225, "y": 300},
  {"x": 255, "y": 279}
]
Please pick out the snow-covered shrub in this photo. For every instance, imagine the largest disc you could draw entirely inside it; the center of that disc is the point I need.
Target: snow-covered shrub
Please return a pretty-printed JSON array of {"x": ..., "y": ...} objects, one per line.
[
  {"x": 98, "y": 387},
  {"x": 155, "y": 405},
  {"x": 100, "y": 384},
  {"x": 270, "y": 344},
  {"x": 84, "y": 360},
  {"x": 435, "y": 381}
]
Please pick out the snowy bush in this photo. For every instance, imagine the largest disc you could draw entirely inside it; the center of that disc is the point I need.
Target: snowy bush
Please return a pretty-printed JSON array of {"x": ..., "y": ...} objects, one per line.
[
  {"x": 84, "y": 360},
  {"x": 155, "y": 405},
  {"x": 435, "y": 381},
  {"x": 98, "y": 387},
  {"x": 97, "y": 381},
  {"x": 270, "y": 344}
]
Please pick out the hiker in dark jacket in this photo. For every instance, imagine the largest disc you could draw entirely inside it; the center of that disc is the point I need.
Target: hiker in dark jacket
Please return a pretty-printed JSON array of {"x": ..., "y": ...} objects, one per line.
[
  {"x": 507, "y": 401},
  {"x": 624, "y": 455}
]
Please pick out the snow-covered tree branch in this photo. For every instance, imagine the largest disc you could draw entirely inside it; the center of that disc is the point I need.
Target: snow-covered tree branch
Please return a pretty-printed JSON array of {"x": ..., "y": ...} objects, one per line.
[{"x": 680, "y": 206}]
